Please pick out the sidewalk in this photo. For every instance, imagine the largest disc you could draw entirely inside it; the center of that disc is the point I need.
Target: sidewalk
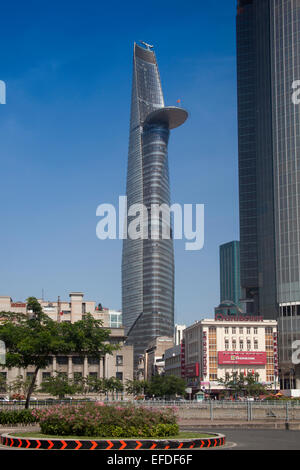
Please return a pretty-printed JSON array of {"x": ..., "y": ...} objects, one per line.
[{"x": 186, "y": 424}]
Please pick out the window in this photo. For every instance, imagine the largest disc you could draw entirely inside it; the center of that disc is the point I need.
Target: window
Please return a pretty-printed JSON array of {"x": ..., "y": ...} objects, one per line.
[
  {"x": 119, "y": 375},
  {"x": 119, "y": 360},
  {"x": 226, "y": 331},
  {"x": 248, "y": 344},
  {"x": 46, "y": 376},
  {"x": 255, "y": 344},
  {"x": 213, "y": 355},
  {"x": 241, "y": 345},
  {"x": 255, "y": 331},
  {"x": 93, "y": 361},
  {"x": 115, "y": 320},
  {"x": 3, "y": 378},
  {"x": 77, "y": 360},
  {"x": 62, "y": 360},
  {"x": 77, "y": 376},
  {"x": 93, "y": 375},
  {"x": 233, "y": 331},
  {"x": 248, "y": 331},
  {"x": 234, "y": 345},
  {"x": 241, "y": 330}
]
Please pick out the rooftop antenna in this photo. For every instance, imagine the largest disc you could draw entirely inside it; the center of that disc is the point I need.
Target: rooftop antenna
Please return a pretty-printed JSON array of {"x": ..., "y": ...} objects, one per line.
[{"x": 148, "y": 46}]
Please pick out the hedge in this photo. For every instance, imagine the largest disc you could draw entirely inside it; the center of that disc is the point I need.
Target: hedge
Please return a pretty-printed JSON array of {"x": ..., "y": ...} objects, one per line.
[{"x": 17, "y": 417}]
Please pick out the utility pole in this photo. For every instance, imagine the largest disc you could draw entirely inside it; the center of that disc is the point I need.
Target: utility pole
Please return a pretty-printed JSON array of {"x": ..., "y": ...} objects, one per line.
[{"x": 58, "y": 309}]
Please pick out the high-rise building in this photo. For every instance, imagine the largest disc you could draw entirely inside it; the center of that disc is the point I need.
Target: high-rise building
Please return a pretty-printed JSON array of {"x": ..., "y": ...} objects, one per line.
[
  {"x": 230, "y": 287},
  {"x": 268, "y": 64},
  {"x": 148, "y": 263}
]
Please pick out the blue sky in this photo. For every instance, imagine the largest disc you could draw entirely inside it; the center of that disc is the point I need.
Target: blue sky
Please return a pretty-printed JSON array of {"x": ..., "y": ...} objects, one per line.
[{"x": 64, "y": 140}]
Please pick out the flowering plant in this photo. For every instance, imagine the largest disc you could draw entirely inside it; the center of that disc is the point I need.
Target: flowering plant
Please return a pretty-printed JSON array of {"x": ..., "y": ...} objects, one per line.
[{"x": 101, "y": 420}]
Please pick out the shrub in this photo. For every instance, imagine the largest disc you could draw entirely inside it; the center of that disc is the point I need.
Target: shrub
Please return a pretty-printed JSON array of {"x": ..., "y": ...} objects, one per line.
[
  {"x": 106, "y": 421},
  {"x": 17, "y": 417}
]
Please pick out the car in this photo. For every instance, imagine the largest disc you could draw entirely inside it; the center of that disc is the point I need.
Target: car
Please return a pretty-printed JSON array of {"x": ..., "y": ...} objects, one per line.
[{"x": 4, "y": 399}]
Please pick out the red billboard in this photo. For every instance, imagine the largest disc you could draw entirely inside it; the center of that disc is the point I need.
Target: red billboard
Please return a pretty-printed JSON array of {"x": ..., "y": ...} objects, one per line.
[
  {"x": 192, "y": 370},
  {"x": 240, "y": 357}
]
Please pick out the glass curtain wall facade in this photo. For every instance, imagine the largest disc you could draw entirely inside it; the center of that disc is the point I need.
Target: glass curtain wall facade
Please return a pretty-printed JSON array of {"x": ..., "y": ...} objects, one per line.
[
  {"x": 147, "y": 263},
  {"x": 257, "y": 229},
  {"x": 268, "y": 63},
  {"x": 230, "y": 287}
]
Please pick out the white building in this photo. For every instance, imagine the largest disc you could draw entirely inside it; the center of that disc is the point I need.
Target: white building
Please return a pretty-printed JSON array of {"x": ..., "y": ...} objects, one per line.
[
  {"x": 216, "y": 348},
  {"x": 178, "y": 333}
]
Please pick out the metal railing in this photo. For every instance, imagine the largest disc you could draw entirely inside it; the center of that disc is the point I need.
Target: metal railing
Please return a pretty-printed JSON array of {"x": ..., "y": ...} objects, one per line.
[{"x": 212, "y": 410}]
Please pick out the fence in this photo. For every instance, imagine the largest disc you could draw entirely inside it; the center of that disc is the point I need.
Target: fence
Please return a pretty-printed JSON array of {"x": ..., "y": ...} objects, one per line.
[
  {"x": 211, "y": 410},
  {"x": 244, "y": 411}
]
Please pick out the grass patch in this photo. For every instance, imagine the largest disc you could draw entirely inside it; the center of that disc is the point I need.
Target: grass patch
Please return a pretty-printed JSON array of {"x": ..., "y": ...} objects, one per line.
[{"x": 181, "y": 435}]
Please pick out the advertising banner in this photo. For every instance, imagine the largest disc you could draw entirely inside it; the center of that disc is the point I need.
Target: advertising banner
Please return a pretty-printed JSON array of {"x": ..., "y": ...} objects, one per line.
[{"x": 241, "y": 357}]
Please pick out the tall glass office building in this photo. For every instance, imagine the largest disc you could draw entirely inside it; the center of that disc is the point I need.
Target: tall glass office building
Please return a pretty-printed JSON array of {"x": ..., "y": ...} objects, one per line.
[
  {"x": 268, "y": 64},
  {"x": 230, "y": 286},
  {"x": 148, "y": 261}
]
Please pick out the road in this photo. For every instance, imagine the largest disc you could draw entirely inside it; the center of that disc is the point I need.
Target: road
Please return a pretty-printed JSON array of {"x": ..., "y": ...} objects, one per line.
[
  {"x": 250, "y": 439},
  {"x": 259, "y": 439}
]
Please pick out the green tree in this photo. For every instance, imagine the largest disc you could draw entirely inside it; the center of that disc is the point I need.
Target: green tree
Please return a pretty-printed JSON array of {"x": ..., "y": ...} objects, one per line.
[
  {"x": 240, "y": 384},
  {"x": 34, "y": 308},
  {"x": 93, "y": 385},
  {"x": 20, "y": 385},
  {"x": 113, "y": 385},
  {"x": 136, "y": 387},
  {"x": 33, "y": 340},
  {"x": 166, "y": 386},
  {"x": 60, "y": 385}
]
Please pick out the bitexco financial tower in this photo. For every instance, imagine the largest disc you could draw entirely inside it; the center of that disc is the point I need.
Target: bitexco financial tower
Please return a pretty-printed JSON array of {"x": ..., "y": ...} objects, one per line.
[{"x": 147, "y": 263}]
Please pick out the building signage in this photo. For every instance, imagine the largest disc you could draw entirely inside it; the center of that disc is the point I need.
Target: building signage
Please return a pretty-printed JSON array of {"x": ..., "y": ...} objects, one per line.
[
  {"x": 17, "y": 305},
  {"x": 221, "y": 317},
  {"x": 275, "y": 354},
  {"x": 192, "y": 370},
  {"x": 182, "y": 358},
  {"x": 204, "y": 354},
  {"x": 240, "y": 357}
]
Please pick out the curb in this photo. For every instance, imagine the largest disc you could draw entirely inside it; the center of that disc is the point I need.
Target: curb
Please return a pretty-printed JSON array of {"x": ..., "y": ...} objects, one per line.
[
  {"x": 200, "y": 425},
  {"x": 216, "y": 440}
]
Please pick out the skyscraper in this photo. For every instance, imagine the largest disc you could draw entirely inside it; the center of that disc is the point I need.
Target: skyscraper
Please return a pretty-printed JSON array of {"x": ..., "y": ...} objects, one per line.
[
  {"x": 268, "y": 63},
  {"x": 230, "y": 287},
  {"x": 147, "y": 263}
]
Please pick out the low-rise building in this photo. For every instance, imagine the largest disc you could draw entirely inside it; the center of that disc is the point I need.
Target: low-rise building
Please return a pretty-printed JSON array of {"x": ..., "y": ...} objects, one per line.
[
  {"x": 155, "y": 356},
  {"x": 119, "y": 364},
  {"x": 173, "y": 361}
]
